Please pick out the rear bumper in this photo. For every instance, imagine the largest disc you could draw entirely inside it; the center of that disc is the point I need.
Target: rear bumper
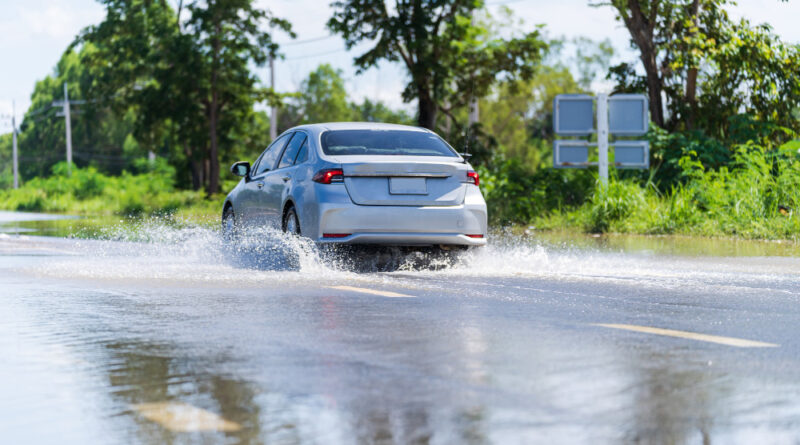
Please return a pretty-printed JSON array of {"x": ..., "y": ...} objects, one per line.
[
  {"x": 407, "y": 239},
  {"x": 403, "y": 225}
]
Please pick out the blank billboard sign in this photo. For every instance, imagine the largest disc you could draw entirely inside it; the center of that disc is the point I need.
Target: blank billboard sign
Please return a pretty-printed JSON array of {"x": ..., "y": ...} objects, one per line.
[
  {"x": 573, "y": 114},
  {"x": 570, "y": 154},
  {"x": 631, "y": 154},
  {"x": 627, "y": 114}
]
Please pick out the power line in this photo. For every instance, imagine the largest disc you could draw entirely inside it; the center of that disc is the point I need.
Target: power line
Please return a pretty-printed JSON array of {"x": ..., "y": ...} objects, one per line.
[
  {"x": 317, "y": 54},
  {"x": 505, "y": 2},
  {"x": 301, "y": 42}
]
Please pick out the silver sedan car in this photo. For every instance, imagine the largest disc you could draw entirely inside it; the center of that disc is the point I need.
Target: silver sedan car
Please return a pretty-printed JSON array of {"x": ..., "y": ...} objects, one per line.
[{"x": 360, "y": 183}]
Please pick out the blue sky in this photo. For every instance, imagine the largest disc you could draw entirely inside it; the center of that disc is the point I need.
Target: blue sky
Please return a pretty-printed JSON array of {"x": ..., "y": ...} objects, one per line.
[{"x": 35, "y": 33}]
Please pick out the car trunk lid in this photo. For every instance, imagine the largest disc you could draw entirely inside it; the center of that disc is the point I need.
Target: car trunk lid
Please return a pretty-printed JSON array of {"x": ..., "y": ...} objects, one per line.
[{"x": 410, "y": 181}]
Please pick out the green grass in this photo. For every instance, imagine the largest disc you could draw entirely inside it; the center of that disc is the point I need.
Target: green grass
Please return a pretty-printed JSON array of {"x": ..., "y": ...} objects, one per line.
[
  {"x": 756, "y": 198},
  {"x": 89, "y": 192}
]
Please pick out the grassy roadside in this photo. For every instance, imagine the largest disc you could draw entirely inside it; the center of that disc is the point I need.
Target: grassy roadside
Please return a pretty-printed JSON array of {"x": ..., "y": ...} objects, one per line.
[
  {"x": 149, "y": 192},
  {"x": 757, "y": 198}
]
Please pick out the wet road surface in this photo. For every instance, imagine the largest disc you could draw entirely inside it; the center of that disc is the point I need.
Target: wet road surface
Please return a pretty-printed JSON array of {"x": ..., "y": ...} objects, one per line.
[{"x": 174, "y": 338}]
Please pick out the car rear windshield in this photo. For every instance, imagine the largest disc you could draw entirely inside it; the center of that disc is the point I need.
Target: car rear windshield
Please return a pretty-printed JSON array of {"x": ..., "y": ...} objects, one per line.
[{"x": 384, "y": 143}]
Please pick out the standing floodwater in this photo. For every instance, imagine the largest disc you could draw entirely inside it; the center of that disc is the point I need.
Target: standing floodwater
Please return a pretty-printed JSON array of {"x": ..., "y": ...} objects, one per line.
[{"x": 154, "y": 332}]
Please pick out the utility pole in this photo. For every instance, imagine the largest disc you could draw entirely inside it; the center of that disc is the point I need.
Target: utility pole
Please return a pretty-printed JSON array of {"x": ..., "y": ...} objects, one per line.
[
  {"x": 15, "y": 161},
  {"x": 473, "y": 104},
  {"x": 473, "y": 112},
  {"x": 273, "y": 117},
  {"x": 69, "y": 130}
]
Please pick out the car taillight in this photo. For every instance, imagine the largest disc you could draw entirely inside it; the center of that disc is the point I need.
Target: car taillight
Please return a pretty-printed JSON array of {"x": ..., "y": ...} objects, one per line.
[
  {"x": 336, "y": 235},
  {"x": 472, "y": 178},
  {"x": 329, "y": 175},
  {"x": 476, "y": 235}
]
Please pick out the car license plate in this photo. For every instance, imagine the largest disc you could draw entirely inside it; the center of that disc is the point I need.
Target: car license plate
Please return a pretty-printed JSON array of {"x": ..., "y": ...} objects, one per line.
[{"x": 407, "y": 186}]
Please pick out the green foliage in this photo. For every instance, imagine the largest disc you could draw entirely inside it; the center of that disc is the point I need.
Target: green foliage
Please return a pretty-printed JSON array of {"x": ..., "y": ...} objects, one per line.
[
  {"x": 98, "y": 134},
  {"x": 612, "y": 203},
  {"x": 375, "y": 111},
  {"x": 87, "y": 191},
  {"x": 445, "y": 52},
  {"x": 724, "y": 80},
  {"x": 757, "y": 196},
  {"x": 323, "y": 97},
  {"x": 190, "y": 82},
  {"x": 515, "y": 195}
]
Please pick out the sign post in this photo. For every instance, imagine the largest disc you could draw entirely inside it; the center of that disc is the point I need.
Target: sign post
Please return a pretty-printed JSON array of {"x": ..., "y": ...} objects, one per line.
[
  {"x": 602, "y": 137},
  {"x": 619, "y": 115}
]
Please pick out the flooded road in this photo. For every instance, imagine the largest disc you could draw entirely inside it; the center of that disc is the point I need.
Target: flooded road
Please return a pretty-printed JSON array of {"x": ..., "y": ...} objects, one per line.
[{"x": 163, "y": 334}]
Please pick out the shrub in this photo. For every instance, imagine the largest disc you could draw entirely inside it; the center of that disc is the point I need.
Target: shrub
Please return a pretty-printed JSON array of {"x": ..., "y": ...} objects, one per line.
[{"x": 612, "y": 203}]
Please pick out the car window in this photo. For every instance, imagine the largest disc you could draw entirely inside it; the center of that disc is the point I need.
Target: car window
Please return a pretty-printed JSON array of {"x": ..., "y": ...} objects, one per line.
[
  {"x": 384, "y": 143},
  {"x": 302, "y": 155},
  {"x": 287, "y": 160},
  {"x": 270, "y": 155}
]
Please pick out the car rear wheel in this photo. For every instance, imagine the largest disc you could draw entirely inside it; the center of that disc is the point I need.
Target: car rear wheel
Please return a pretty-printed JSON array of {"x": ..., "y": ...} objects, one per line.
[{"x": 291, "y": 224}]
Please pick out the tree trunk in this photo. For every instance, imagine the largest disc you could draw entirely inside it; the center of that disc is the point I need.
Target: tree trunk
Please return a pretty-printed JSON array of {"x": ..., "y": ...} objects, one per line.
[
  {"x": 641, "y": 28},
  {"x": 691, "y": 76},
  {"x": 426, "y": 111},
  {"x": 213, "y": 118},
  {"x": 195, "y": 167},
  {"x": 653, "y": 87},
  {"x": 213, "y": 153}
]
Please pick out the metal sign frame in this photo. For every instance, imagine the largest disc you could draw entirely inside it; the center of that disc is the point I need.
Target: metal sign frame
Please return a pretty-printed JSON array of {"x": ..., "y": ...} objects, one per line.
[
  {"x": 557, "y": 116},
  {"x": 638, "y": 101},
  {"x": 560, "y": 144},
  {"x": 608, "y": 112},
  {"x": 644, "y": 146}
]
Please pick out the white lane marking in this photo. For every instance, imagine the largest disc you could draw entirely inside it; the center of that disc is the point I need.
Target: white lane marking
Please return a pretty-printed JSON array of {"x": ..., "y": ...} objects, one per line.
[
  {"x": 364, "y": 290},
  {"x": 184, "y": 418},
  {"x": 738, "y": 342}
]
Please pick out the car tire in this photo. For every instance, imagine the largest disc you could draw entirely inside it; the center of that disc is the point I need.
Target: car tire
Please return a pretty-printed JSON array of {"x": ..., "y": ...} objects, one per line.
[
  {"x": 291, "y": 223},
  {"x": 229, "y": 226}
]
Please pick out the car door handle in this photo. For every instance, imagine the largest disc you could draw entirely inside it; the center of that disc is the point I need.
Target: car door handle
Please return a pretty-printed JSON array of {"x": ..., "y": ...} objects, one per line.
[
  {"x": 286, "y": 178},
  {"x": 260, "y": 185}
]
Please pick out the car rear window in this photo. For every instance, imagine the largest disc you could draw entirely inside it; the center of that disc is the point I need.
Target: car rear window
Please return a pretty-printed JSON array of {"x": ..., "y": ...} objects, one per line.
[{"x": 384, "y": 143}]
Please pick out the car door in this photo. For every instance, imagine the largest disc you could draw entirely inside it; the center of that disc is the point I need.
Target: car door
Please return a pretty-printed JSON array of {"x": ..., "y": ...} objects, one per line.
[
  {"x": 277, "y": 181},
  {"x": 254, "y": 211}
]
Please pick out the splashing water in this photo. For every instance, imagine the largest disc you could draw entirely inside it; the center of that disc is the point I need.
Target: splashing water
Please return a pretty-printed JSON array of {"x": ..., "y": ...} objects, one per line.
[{"x": 161, "y": 251}]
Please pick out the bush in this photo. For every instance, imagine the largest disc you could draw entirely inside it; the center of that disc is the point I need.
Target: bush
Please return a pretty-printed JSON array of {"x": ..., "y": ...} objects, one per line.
[
  {"x": 612, "y": 203},
  {"x": 757, "y": 197},
  {"x": 150, "y": 191},
  {"x": 516, "y": 195}
]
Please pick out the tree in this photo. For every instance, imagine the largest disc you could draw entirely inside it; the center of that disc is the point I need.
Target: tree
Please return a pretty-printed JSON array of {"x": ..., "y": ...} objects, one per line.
[
  {"x": 98, "y": 135},
  {"x": 591, "y": 58},
  {"x": 323, "y": 96},
  {"x": 228, "y": 37},
  {"x": 711, "y": 70},
  {"x": 449, "y": 58},
  {"x": 191, "y": 81},
  {"x": 376, "y": 111}
]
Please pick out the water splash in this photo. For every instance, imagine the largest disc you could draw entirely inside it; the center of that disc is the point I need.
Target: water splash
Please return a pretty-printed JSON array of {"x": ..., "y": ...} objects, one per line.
[{"x": 168, "y": 252}]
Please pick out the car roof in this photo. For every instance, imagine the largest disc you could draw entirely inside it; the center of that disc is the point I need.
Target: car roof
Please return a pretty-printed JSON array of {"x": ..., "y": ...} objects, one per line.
[{"x": 358, "y": 126}]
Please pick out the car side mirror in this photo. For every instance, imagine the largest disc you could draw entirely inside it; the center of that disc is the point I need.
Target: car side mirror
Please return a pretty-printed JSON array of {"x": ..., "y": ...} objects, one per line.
[{"x": 241, "y": 168}]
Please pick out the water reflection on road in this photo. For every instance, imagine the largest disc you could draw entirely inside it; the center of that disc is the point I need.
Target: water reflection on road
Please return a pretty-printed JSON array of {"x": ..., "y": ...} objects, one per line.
[{"x": 500, "y": 348}]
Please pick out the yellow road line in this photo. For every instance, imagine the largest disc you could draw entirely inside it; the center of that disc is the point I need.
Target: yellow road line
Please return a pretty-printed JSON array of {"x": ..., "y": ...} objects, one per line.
[
  {"x": 382, "y": 293},
  {"x": 184, "y": 418},
  {"x": 738, "y": 342}
]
